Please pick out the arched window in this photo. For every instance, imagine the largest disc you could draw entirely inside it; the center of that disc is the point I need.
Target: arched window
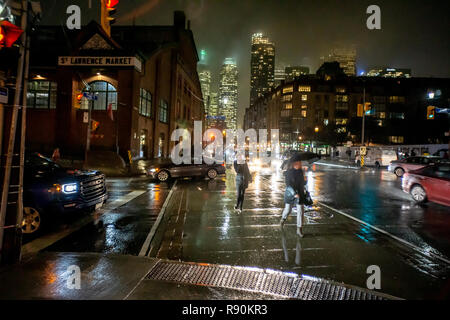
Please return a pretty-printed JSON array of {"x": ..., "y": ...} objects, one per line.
[{"x": 106, "y": 94}]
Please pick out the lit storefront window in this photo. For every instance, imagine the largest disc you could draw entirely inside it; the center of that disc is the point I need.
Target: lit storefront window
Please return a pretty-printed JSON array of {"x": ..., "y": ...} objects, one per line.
[
  {"x": 41, "y": 95},
  {"x": 106, "y": 95}
]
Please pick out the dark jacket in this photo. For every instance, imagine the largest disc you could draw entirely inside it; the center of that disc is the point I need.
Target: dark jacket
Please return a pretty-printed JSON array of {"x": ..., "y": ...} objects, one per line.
[
  {"x": 242, "y": 173},
  {"x": 295, "y": 184}
]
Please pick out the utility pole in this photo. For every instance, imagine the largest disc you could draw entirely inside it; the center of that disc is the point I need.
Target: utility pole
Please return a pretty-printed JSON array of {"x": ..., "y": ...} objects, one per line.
[
  {"x": 364, "y": 115},
  {"x": 8, "y": 251}
]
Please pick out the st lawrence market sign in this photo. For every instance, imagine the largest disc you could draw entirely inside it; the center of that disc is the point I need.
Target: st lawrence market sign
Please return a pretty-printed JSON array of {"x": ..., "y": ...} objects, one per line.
[{"x": 100, "y": 62}]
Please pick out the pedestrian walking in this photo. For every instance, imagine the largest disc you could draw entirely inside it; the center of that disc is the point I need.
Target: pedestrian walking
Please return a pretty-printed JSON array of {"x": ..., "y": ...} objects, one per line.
[
  {"x": 295, "y": 194},
  {"x": 243, "y": 178}
]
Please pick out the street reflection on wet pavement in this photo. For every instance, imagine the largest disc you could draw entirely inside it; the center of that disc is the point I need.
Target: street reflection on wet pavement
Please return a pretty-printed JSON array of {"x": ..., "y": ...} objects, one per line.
[
  {"x": 121, "y": 230},
  {"x": 334, "y": 247}
]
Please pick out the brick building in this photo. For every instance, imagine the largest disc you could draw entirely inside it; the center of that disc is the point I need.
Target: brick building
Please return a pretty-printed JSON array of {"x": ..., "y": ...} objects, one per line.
[{"x": 143, "y": 81}]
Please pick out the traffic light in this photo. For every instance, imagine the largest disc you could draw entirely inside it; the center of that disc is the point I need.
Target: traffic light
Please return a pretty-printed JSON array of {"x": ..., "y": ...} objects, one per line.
[
  {"x": 9, "y": 34},
  {"x": 95, "y": 125},
  {"x": 78, "y": 97},
  {"x": 430, "y": 112},
  {"x": 360, "y": 110},
  {"x": 368, "y": 108},
  {"x": 108, "y": 10}
]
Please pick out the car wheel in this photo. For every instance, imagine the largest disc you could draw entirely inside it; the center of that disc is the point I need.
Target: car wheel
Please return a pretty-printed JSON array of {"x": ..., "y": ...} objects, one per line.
[
  {"x": 212, "y": 173},
  {"x": 163, "y": 176},
  {"x": 418, "y": 194},
  {"x": 31, "y": 222},
  {"x": 399, "y": 172}
]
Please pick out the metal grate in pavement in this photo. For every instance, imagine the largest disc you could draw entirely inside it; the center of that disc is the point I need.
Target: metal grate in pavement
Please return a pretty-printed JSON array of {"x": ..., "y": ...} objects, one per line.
[{"x": 286, "y": 285}]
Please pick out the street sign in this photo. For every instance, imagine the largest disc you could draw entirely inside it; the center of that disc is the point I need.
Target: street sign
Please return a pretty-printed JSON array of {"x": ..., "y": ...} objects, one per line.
[
  {"x": 363, "y": 151},
  {"x": 90, "y": 96}
]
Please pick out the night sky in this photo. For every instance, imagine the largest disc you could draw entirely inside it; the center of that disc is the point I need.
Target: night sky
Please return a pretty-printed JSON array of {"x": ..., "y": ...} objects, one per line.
[{"x": 414, "y": 34}]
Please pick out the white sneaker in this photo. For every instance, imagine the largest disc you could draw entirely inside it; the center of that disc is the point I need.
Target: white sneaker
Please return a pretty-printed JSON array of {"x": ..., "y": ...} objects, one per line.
[{"x": 300, "y": 232}]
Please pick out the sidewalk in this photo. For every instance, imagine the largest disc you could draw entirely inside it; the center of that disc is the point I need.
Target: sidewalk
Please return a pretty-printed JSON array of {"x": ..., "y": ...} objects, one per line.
[{"x": 115, "y": 277}]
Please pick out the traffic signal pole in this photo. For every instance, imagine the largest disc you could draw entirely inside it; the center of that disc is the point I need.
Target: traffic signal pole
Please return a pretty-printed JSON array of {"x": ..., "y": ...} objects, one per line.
[
  {"x": 364, "y": 115},
  {"x": 8, "y": 251}
]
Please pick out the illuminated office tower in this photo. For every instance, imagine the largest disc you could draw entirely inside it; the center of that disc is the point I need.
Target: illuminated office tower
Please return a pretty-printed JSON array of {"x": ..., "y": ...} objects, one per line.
[
  {"x": 262, "y": 66},
  {"x": 228, "y": 93},
  {"x": 204, "y": 76},
  {"x": 346, "y": 58}
]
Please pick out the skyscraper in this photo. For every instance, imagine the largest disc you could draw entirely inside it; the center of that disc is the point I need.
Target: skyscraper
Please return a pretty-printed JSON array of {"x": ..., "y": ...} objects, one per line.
[
  {"x": 205, "y": 81},
  {"x": 262, "y": 66},
  {"x": 228, "y": 94},
  {"x": 346, "y": 58}
]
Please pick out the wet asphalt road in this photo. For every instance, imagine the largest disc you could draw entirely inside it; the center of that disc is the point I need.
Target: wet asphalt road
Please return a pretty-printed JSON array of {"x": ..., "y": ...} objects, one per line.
[{"x": 202, "y": 226}]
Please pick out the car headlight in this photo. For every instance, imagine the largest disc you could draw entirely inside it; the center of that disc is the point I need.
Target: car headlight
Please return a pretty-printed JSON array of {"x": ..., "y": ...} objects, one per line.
[
  {"x": 69, "y": 188},
  {"x": 153, "y": 170}
]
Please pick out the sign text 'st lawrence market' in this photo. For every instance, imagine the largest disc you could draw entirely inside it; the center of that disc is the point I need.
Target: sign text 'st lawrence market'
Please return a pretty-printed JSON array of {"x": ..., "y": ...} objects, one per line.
[{"x": 100, "y": 61}]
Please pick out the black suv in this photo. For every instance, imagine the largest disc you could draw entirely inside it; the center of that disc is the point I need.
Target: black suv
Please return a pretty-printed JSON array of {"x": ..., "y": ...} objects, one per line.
[{"x": 49, "y": 188}]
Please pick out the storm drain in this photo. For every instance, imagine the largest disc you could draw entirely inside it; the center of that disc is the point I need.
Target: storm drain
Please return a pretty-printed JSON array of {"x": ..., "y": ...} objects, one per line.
[{"x": 285, "y": 285}]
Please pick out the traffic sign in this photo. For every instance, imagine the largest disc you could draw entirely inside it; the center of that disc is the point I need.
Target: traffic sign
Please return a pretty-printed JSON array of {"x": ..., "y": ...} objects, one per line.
[
  {"x": 363, "y": 151},
  {"x": 90, "y": 96}
]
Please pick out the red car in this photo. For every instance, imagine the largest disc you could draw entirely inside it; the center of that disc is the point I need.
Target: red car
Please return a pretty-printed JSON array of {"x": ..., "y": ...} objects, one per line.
[{"x": 430, "y": 183}]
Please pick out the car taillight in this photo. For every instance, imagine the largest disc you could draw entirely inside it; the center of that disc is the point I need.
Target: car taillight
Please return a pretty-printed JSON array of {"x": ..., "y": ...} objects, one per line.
[{"x": 223, "y": 164}]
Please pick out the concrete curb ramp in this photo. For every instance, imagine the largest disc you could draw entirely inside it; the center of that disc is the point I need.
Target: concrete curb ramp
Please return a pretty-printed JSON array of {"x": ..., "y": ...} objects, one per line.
[{"x": 265, "y": 281}]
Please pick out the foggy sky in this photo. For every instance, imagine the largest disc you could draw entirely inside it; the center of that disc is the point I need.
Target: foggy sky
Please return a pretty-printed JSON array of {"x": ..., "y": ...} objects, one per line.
[{"x": 414, "y": 34}]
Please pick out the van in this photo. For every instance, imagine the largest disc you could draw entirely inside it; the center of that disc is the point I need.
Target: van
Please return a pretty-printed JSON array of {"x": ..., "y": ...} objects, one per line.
[{"x": 377, "y": 157}]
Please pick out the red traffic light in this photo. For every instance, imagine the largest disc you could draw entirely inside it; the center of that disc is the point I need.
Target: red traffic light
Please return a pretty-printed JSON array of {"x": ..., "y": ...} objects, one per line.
[
  {"x": 9, "y": 33},
  {"x": 111, "y": 3}
]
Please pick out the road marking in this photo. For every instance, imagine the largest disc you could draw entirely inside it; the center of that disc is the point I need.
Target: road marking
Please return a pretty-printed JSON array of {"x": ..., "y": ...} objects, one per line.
[
  {"x": 152, "y": 232},
  {"x": 408, "y": 244},
  {"x": 413, "y": 246},
  {"x": 336, "y": 165},
  {"x": 49, "y": 239}
]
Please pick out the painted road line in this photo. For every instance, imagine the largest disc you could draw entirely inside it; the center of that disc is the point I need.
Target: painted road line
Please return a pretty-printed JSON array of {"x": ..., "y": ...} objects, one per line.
[
  {"x": 336, "y": 165},
  {"x": 152, "y": 232},
  {"x": 412, "y": 246},
  {"x": 49, "y": 239}
]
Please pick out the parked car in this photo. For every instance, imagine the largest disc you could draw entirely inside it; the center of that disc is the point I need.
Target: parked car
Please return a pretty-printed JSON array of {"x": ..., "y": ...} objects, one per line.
[
  {"x": 431, "y": 183},
  {"x": 399, "y": 167},
  {"x": 377, "y": 157},
  {"x": 168, "y": 170},
  {"x": 50, "y": 189}
]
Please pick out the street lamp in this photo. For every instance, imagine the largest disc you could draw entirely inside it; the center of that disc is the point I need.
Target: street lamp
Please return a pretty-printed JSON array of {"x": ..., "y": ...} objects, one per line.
[{"x": 316, "y": 129}]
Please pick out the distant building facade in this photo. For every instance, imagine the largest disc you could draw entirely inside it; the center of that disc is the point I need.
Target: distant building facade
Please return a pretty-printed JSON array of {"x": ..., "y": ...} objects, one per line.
[
  {"x": 346, "y": 56},
  {"x": 228, "y": 93},
  {"x": 262, "y": 66},
  {"x": 387, "y": 72},
  {"x": 312, "y": 111},
  {"x": 295, "y": 71}
]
